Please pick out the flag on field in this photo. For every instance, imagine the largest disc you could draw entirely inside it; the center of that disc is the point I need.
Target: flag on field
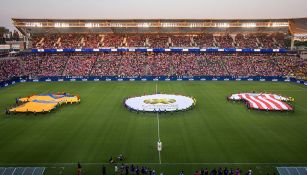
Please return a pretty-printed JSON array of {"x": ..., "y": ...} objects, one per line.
[{"x": 263, "y": 101}]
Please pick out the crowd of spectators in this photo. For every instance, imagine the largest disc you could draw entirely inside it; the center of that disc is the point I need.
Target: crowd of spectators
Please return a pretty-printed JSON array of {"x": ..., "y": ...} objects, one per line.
[
  {"x": 181, "y": 41},
  {"x": 125, "y": 169},
  {"x": 224, "y": 41},
  {"x": 158, "y": 41},
  {"x": 60, "y": 41},
  {"x": 53, "y": 65},
  {"x": 219, "y": 171},
  {"x": 213, "y": 65},
  {"x": 79, "y": 65},
  {"x": 45, "y": 41},
  {"x": 31, "y": 65},
  {"x": 70, "y": 41},
  {"x": 90, "y": 41},
  {"x": 133, "y": 64},
  {"x": 136, "y": 41},
  {"x": 280, "y": 39},
  {"x": 266, "y": 40},
  {"x": 9, "y": 68},
  {"x": 113, "y": 41},
  {"x": 203, "y": 40},
  {"x": 4, "y": 54},
  {"x": 247, "y": 41},
  {"x": 107, "y": 65}
]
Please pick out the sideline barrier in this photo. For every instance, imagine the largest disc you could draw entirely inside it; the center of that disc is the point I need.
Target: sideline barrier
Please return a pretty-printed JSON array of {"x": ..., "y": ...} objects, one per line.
[{"x": 153, "y": 78}]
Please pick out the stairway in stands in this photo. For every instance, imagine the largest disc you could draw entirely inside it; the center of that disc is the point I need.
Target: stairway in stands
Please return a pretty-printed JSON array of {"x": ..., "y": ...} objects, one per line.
[
  {"x": 65, "y": 67},
  {"x": 93, "y": 65}
]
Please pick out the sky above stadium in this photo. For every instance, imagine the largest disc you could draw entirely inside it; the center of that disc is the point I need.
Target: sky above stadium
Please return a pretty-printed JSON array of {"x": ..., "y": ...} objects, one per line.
[{"x": 136, "y": 9}]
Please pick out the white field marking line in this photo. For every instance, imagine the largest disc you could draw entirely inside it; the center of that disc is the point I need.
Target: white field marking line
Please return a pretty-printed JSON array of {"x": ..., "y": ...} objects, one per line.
[
  {"x": 43, "y": 171},
  {"x": 159, "y": 137},
  {"x": 3, "y": 171},
  {"x": 278, "y": 168},
  {"x": 271, "y": 90},
  {"x": 14, "y": 171},
  {"x": 175, "y": 163},
  {"x": 297, "y": 170},
  {"x": 24, "y": 171},
  {"x": 158, "y": 121},
  {"x": 33, "y": 170},
  {"x": 288, "y": 171},
  {"x": 158, "y": 127},
  {"x": 156, "y": 87},
  {"x": 295, "y": 85}
]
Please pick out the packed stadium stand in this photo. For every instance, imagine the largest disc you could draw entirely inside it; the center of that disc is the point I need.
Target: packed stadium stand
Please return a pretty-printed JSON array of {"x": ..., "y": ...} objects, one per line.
[
  {"x": 63, "y": 41},
  {"x": 158, "y": 64},
  {"x": 199, "y": 34}
]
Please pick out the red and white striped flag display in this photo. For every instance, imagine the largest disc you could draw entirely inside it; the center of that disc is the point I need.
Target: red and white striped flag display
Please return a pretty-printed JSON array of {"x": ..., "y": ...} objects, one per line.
[{"x": 264, "y": 101}]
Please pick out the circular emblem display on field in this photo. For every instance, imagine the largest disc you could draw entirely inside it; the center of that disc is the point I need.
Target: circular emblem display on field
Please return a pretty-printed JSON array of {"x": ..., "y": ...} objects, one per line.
[{"x": 160, "y": 103}]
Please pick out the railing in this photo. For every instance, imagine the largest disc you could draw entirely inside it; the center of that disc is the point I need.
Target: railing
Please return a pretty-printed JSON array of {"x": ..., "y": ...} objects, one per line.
[
  {"x": 153, "y": 78},
  {"x": 174, "y": 49}
]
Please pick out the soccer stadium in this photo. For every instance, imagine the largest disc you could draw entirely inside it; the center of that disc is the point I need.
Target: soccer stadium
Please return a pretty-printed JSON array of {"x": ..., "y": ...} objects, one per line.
[{"x": 146, "y": 96}]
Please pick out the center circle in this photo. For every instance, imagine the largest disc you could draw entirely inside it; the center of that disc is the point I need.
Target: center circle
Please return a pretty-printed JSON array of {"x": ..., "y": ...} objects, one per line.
[{"x": 160, "y": 103}]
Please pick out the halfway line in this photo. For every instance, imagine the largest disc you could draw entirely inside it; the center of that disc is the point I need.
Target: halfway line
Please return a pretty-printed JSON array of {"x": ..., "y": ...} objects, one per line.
[{"x": 158, "y": 121}]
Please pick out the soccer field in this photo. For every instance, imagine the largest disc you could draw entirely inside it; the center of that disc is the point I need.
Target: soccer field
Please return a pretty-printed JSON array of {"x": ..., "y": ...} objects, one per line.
[{"x": 215, "y": 133}]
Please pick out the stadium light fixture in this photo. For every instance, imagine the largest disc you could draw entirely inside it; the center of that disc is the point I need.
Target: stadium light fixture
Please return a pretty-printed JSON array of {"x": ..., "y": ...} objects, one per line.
[
  {"x": 221, "y": 25},
  {"x": 280, "y": 24},
  {"x": 144, "y": 25},
  {"x": 116, "y": 25},
  {"x": 58, "y": 24},
  {"x": 90, "y": 25},
  {"x": 191, "y": 25},
  {"x": 249, "y": 25},
  {"x": 167, "y": 24},
  {"x": 34, "y": 24}
]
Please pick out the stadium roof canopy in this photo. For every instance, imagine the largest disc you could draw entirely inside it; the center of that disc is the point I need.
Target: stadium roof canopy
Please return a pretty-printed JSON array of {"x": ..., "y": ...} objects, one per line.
[{"x": 124, "y": 26}]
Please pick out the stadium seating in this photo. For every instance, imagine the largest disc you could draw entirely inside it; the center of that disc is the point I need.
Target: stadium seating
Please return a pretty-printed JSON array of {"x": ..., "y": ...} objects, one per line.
[
  {"x": 224, "y": 41},
  {"x": 70, "y": 40},
  {"x": 107, "y": 65},
  {"x": 203, "y": 40},
  {"x": 181, "y": 41},
  {"x": 134, "y": 64},
  {"x": 9, "y": 68},
  {"x": 136, "y": 41},
  {"x": 158, "y": 41},
  {"x": 113, "y": 41},
  {"x": 79, "y": 65},
  {"x": 247, "y": 41}
]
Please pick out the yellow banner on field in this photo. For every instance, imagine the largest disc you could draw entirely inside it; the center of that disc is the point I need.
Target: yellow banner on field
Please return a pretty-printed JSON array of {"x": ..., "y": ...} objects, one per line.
[{"x": 44, "y": 102}]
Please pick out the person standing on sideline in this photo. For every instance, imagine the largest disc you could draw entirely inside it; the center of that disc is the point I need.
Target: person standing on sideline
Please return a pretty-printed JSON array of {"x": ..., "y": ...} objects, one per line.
[
  {"x": 115, "y": 170},
  {"x": 103, "y": 169},
  {"x": 79, "y": 169}
]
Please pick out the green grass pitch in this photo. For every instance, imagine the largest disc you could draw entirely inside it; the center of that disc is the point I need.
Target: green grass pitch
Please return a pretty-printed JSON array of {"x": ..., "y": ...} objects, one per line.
[{"x": 215, "y": 133}]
